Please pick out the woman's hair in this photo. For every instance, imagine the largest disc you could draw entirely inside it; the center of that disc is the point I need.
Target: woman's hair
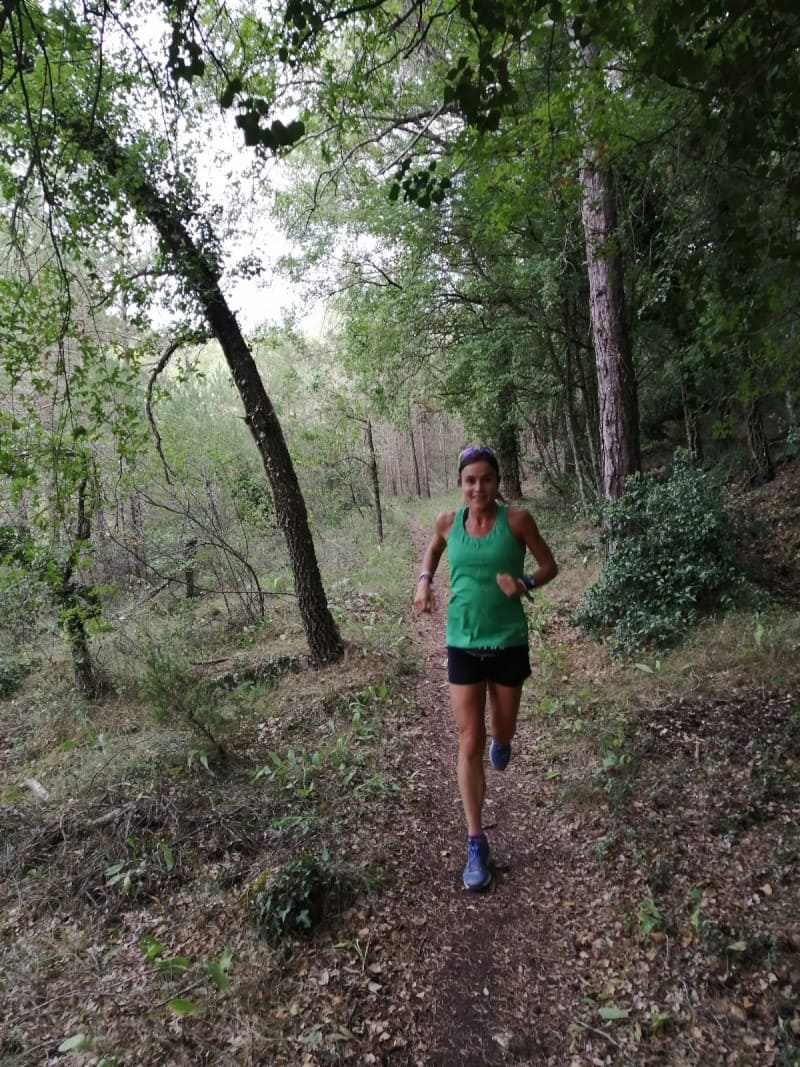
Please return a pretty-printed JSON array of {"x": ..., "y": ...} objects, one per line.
[{"x": 475, "y": 453}]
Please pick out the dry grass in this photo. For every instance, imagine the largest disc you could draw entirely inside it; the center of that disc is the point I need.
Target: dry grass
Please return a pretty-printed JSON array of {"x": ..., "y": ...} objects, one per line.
[{"x": 152, "y": 848}]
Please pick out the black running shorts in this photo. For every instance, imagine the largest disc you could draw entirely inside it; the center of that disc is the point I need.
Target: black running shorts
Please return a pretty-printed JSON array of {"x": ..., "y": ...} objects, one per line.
[{"x": 505, "y": 666}]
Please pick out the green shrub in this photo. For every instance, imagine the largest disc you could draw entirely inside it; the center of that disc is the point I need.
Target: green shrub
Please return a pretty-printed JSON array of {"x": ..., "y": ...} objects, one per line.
[
  {"x": 671, "y": 559},
  {"x": 12, "y": 673},
  {"x": 169, "y": 686},
  {"x": 295, "y": 898},
  {"x": 25, "y": 607}
]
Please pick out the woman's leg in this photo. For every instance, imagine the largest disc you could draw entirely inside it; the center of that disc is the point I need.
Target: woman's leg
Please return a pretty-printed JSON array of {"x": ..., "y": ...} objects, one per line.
[
  {"x": 504, "y": 701},
  {"x": 468, "y": 703}
]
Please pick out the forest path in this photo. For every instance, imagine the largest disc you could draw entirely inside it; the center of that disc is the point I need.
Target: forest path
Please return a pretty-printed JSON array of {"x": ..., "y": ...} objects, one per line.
[{"x": 496, "y": 962}]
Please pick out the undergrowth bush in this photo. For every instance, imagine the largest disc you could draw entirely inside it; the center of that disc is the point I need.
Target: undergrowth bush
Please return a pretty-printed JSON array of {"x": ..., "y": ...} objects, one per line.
[
  {"x": 671, "y": 559},
  {"x": 12, "y": 673},
  {"x": 25, "y": 606},
  {"x": 169, "y": 685},
  {"x": 295, "y": 898}
]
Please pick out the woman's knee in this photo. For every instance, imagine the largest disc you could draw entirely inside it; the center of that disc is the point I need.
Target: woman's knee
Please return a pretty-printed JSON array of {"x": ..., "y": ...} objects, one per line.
[{"x": 472, "y": 741}]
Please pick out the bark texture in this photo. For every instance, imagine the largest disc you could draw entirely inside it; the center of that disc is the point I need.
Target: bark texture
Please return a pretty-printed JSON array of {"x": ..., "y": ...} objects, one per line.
[
  {"x": 414, "y": 460},
  {"x": 616, "y": 379},
  {"x": 78, "y": 603},
  {"x": 762, "y": 468},
  {"x": 694, "y": 442},
  {"x": 376, "y": 485},
  {"x": 508, "y": 445}
]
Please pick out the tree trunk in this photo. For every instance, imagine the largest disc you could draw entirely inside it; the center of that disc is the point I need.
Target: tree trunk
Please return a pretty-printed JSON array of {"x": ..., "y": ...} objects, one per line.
[
  {"x": 136, "y": 541},
  {"x": 506, "y": 430},
  {"x": 586, "y": 384},
  {"x": 570, "y": 415},
  {"x": 572, "y": 458},
  {"x": 189, "y": 553},
  {"x": 616, "y": 380},
  {"x": 508, "y": 457},
  {"x": 414, "y": 462},
  {"x": 75, "y": 607},
  {"x": 791, "y": 415},
  {"x": 201, "y": 275},
  {"x": 445, "y": 444},
  {"x": 426, "y": 474},
  {"x": 568, "y": 456},
  {"x": 569, "y": 426},
  {"x": 83, "y": 667},
  {"x": 545, "y": 459},
  {"x": 512, "y": 481},
  {"x": 694, "y": 443},
  {"x": 590, "y": 419},
  {"x": 376, "y": 485},
  {"x": 391, "y": 452},
  {"x": 761, "y": 466}
]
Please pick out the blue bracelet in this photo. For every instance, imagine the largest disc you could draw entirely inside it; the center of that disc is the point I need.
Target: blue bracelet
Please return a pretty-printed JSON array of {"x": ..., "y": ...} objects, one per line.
[{"x": 528, "y": 581}]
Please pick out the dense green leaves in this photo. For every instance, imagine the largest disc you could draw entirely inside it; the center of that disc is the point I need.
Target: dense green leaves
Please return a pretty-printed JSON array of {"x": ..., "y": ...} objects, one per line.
[
  {"x": 672, "y": 558},
  {"x": 705, "y": 204},
  {"x": 295, "y": 898}
]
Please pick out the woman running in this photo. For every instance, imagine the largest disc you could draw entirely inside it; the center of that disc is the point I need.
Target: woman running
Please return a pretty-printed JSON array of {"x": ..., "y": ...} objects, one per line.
[{"x": 487, "y": 630}]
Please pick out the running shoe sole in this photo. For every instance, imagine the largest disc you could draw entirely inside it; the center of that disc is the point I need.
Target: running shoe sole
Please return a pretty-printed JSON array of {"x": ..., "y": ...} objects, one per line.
[{"x": 499, "y": 755}]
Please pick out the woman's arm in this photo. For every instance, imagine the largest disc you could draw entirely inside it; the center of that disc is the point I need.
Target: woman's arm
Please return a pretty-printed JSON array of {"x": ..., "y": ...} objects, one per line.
[
  {"x": 423, "y": 596},
  {"x": 526, "y": 531}
]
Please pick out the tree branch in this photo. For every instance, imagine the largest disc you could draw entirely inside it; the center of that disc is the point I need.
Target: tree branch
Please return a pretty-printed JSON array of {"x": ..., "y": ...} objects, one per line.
[{"x": 159, "y": 367}]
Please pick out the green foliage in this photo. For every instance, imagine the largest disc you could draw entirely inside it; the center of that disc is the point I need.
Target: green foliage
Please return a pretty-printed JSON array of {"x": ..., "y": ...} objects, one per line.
[
  {"x": 76, "y": 1043},
  {"x": 615, "y": 773},
  {"x": 788, "y": 1044},
  {"x": 296, "y": 772},
  {"x": 122, "y": 873},
  {"x": 649, "y": 915},
  {"x": 169, "y": 685},
  {"x": 671, "y": 559},
  {"x": 255, "y": 499},
  {"x": 176, "y": 967},
  {"x": 295, "y": 898},
  {"x": 12, "y": 674},
  {"x": 165, "y": 681},
  {"x": 695, "y": 908}
]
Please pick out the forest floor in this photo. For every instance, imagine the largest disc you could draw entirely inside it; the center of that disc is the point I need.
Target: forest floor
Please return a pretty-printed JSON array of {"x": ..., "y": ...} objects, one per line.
[{"x": 645, "y": 906}]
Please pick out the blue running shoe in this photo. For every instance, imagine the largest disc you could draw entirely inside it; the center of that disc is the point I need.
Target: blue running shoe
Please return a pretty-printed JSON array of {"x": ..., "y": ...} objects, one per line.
[
  {"x": 499, "y": 755},
  {"x": 476, "y": 873}
]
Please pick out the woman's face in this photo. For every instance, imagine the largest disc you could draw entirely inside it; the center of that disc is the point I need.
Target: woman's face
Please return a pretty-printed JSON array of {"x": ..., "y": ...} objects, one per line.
[{"x": 479, "y": 483}]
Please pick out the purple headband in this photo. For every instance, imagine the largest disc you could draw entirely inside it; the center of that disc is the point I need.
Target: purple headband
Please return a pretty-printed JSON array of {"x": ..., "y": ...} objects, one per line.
[{"x": 474, "y": 453}]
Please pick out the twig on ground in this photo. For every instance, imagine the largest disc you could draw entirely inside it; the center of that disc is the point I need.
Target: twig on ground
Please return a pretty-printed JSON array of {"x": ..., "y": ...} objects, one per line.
[
  {"x": 181, "y": 993},
  {"x": 600, "y": 1033},
  {"x": 208, "y": 822}
]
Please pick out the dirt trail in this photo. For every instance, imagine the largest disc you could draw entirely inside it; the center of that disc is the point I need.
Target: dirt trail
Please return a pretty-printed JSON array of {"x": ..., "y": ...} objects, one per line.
[{"x": 490, "y": 958}]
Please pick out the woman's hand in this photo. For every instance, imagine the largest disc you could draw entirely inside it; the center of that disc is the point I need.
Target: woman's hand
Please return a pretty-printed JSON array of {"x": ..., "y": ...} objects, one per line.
[
  {"x": 423, "y": 598},
  {"x": 510, "y": 585}
]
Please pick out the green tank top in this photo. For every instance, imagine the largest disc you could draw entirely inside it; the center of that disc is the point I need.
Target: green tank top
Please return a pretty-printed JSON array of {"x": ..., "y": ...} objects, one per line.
[{"x": 479, "y": 614}]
